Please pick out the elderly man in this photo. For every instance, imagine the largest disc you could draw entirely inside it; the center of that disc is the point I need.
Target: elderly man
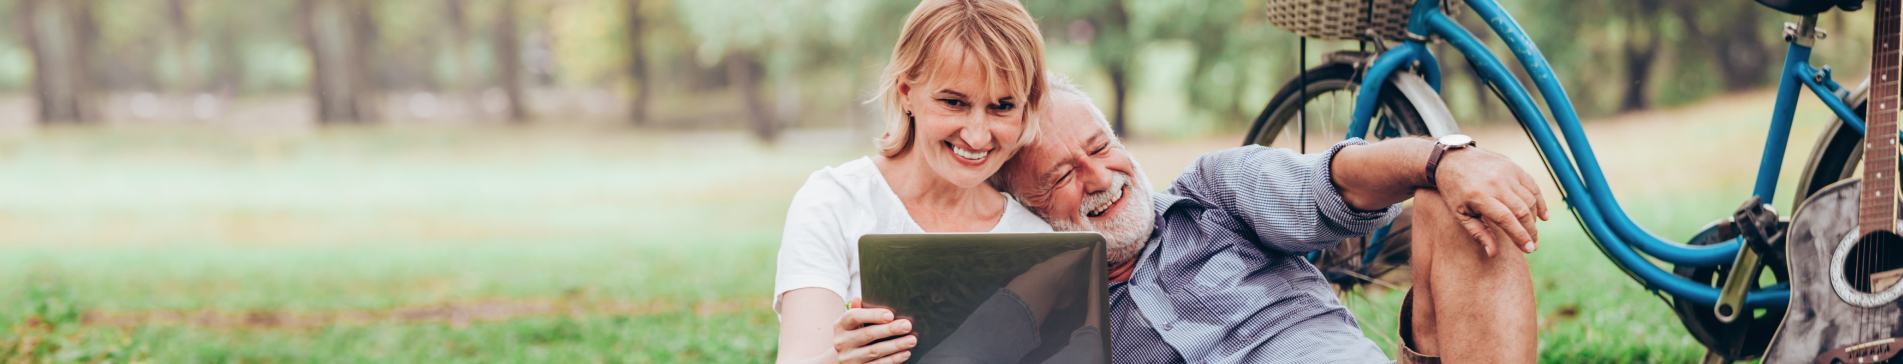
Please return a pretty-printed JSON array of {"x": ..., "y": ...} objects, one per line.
[{"x": 1210, "y": 270}]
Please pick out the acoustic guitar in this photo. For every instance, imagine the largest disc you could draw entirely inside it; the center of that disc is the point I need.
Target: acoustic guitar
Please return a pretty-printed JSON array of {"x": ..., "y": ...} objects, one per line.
[{"x": 1843, "y": 249}]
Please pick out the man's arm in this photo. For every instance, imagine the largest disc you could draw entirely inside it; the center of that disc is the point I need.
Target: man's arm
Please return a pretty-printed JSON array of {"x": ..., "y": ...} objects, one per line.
[
  {"x": 1483, "y": 189},
  {"x": 1285, "y": 199}
]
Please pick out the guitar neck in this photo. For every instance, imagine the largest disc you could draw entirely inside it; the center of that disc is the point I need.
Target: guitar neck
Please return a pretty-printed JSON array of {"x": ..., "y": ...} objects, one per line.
[{"x": 1877, "y": 211}]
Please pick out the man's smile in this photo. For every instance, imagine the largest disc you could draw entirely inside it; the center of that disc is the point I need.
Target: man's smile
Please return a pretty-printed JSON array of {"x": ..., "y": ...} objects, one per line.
[{"x": 1116, "y": 198}]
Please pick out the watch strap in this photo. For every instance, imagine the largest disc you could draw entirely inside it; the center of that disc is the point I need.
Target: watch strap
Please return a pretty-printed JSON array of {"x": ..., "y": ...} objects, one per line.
[{"x": 1433, "y": 159}]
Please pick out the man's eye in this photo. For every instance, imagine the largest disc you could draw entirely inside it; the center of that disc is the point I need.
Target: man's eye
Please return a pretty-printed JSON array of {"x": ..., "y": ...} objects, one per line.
[
  {"x": 1101, "y": 149},
  {"x": 953, "y": 102}
]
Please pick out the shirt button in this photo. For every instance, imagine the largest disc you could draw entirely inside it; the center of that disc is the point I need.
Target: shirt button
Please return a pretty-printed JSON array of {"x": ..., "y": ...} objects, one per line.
[{"x": 1167, "y": 326}]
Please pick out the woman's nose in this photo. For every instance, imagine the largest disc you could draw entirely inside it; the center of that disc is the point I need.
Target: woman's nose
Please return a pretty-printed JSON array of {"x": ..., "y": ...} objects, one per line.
[{"x": 976, "y": 135}]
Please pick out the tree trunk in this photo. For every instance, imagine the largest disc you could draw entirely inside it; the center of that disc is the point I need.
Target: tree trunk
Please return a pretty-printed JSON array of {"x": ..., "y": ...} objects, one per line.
[
  {"x": 85, "y": 34},
  {"x": 509, "y": 59},
  {"x": 1739, "y": 53},
  {"x": 465, "y": 65},
  {"x": 1743, "y": 57},
  {"x": 743, "y": 75},
  {"x": 228, "y": 70},
  {"x": 330, "y": 100},
  {"x": 1641, "y": 49},
  {"x": 1114, "y": 45},
  {"x": 363, "y": 82},
  {"x": 60, "y": 79},
  {"x": 181, "y": 46},
  {"x": 637, "y": 65}
]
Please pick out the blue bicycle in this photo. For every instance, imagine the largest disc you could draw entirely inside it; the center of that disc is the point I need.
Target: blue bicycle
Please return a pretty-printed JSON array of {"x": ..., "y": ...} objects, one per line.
[{"x": 1393, "y": 91}]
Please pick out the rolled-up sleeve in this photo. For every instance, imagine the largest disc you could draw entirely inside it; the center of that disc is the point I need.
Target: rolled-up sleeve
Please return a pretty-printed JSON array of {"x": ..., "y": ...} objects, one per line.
[{"x": 1287, "y": 199}]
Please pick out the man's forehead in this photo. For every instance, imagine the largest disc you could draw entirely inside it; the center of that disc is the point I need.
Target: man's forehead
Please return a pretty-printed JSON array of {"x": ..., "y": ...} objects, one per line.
[{"x": 1073, "y": 124}]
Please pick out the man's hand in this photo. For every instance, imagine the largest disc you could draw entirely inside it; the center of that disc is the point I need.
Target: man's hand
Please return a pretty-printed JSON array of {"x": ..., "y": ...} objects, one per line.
[
  {"x": 1488, "y": 190},
  {"x": 858, "y": 328}
]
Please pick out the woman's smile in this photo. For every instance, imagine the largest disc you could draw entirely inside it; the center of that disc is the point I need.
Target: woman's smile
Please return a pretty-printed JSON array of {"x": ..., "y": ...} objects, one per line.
[{"x": 968, "y": 157}]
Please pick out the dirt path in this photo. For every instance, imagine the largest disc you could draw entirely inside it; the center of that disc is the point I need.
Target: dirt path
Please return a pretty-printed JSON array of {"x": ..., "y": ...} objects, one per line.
[{"x": 454, "y": 313}]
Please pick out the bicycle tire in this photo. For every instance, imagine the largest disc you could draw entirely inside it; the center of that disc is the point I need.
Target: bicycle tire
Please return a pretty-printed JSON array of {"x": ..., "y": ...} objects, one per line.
[
  {"x": 1834, "y": 157},
  {"x": 1397, "y": 116},
  {"x": 1279, "y": 112}
]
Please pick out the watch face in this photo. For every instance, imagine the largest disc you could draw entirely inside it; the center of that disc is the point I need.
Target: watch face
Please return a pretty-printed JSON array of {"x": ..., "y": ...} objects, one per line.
[{"x": 1456, "y": 139}]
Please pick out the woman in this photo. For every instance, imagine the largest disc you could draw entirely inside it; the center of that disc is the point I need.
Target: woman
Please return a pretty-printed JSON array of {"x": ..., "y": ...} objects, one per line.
[{"x": 964, "y": 89}]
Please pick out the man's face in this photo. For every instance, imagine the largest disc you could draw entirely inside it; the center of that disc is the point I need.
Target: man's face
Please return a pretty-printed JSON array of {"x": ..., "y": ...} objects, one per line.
[{"x": 1079, "y": 179}]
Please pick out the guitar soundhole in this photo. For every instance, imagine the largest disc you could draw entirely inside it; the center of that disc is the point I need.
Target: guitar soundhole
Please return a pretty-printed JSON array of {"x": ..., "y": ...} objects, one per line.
[{"x": 1875, "y": 263}]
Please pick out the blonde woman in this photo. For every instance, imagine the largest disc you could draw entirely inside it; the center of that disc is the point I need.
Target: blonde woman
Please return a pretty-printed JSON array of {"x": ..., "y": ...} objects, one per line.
[{"x": 964, "y": 90}]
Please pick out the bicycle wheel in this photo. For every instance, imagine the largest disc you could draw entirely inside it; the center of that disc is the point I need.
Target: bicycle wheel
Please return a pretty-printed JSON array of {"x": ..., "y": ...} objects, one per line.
[
  {"x": 1835, "y": 157},
  {"x": 1329, "y": 107}
]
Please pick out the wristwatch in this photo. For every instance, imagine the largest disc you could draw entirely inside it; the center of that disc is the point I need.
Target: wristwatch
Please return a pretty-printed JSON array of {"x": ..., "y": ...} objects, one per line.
[{"x": 1444, "y": 144}]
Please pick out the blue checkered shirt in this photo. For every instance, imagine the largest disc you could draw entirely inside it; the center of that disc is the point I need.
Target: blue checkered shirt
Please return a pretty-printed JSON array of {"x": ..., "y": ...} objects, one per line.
[{"x": 1222, "y": 280}]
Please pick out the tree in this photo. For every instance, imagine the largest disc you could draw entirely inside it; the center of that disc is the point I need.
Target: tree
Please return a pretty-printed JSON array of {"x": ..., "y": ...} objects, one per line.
[
  {"x": 509, "y": 60},
  {"x": 181, "y": 42},
  {"x": 637, "y": 65},
  {"x": 1105, "y": 26},
  {"x": 340, "y": 80},
  {"x": 739, "y": 38},
  {"x": 1743, "y": 59},
  {"x": 61, "y": 34}
]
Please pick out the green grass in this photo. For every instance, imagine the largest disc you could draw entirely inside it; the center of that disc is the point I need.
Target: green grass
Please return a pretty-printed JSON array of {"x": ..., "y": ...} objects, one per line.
[{"x": 117, "y": 220}]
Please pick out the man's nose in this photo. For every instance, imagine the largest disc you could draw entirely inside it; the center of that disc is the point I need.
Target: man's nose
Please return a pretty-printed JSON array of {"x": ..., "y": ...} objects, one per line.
[{"x": 1095, "y": 176}]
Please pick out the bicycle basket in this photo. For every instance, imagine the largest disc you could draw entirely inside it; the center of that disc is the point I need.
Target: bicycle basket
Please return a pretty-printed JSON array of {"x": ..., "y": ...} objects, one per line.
[{"x": 1348, "y": 19}]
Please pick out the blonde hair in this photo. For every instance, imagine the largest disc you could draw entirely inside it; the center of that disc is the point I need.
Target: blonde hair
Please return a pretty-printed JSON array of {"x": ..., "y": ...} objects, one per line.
[{"x": 999, "y": 32}]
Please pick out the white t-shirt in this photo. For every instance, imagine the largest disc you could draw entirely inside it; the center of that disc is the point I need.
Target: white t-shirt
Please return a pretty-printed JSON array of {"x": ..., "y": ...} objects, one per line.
[{"x": 820, "y": 247}]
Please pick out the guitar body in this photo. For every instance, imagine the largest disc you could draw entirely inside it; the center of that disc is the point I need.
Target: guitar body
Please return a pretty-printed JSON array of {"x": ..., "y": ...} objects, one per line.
[
  {"x": 1819, "y": 320},
  {"x": 1845, "y": 256}
]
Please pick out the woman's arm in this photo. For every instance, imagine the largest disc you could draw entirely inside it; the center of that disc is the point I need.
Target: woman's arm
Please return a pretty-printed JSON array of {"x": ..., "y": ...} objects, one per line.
[
  {"x": 807, "y": 316},
  {"x": 815, "y": 327}
]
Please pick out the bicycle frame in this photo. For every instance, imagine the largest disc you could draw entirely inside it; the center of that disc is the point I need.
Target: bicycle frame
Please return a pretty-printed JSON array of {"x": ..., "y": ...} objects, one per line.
[{"x": 1584, "y": 187}]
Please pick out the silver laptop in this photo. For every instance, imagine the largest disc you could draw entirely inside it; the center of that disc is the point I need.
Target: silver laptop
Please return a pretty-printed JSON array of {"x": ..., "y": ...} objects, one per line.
[{"x": 994, "y": 298}]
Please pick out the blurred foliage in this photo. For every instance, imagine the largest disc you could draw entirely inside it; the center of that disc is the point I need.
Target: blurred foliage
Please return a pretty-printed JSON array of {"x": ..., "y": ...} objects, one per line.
[{"x": 800, "y": 63}]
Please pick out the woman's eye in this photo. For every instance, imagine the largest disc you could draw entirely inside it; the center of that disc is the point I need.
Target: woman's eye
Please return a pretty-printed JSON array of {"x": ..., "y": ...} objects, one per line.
[
  {"x": 1004, "y": 106},
  {"x": 953, "y": 102}
]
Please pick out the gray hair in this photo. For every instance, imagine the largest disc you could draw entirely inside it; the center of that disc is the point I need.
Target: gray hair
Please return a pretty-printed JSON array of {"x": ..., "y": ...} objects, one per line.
[{"x": 1060, "y": 83}]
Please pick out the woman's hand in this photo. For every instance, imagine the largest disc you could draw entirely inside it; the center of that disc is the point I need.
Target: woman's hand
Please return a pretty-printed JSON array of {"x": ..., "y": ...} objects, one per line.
[{"x": 855, "y": 335}]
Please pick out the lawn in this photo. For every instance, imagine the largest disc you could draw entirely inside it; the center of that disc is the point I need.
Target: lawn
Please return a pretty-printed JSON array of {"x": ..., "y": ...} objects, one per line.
[{"x": 600, "y": 244}]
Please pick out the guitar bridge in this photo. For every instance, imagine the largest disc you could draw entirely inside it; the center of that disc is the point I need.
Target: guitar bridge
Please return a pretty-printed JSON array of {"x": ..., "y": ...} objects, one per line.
[{"x": 1868, "y": 352}]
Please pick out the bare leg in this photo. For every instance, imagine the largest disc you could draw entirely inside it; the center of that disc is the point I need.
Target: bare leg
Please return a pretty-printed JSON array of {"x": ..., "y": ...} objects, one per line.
[{"x": 1469, "y": 308}]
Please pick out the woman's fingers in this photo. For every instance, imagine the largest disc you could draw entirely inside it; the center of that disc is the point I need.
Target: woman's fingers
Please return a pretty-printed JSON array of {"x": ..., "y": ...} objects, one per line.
[
  {"x": 901, "y": 357},
  {"x": 881, "y": 353},
  {"x": 848, "y": 341},
  {"x": 856, "y": 318}
]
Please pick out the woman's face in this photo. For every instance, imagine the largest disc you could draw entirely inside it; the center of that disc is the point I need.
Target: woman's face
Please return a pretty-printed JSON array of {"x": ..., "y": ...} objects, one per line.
[{"x": 964, "y": 128}]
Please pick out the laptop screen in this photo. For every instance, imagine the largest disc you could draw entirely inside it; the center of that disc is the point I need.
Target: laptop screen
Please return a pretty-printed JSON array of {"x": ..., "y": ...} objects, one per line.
[{"x": 995, "y": 298}]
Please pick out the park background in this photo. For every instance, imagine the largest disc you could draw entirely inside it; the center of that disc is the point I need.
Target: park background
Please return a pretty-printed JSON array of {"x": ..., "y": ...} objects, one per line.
[{"x": 253, "y": 181}]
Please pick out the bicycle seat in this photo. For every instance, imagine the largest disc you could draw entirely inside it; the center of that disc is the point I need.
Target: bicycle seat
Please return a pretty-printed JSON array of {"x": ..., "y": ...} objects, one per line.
[{"x": 1809, "y": 7}]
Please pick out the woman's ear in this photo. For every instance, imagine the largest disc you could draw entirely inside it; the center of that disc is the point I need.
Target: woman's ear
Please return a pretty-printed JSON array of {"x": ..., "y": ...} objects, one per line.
[{"x": 905, "y": 96}]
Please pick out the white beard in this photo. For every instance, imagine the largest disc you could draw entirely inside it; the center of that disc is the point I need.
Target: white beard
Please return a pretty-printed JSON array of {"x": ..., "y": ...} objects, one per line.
[{"x": 1126, "y": 232}]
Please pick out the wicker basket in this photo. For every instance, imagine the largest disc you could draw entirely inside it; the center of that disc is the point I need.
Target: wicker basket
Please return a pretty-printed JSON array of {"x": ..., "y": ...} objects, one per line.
[{"x": 1348, "y": 19}]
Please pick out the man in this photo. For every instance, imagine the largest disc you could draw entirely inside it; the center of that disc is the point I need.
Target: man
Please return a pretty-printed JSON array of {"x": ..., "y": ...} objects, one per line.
[{"x": 1210, "y": 270}]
